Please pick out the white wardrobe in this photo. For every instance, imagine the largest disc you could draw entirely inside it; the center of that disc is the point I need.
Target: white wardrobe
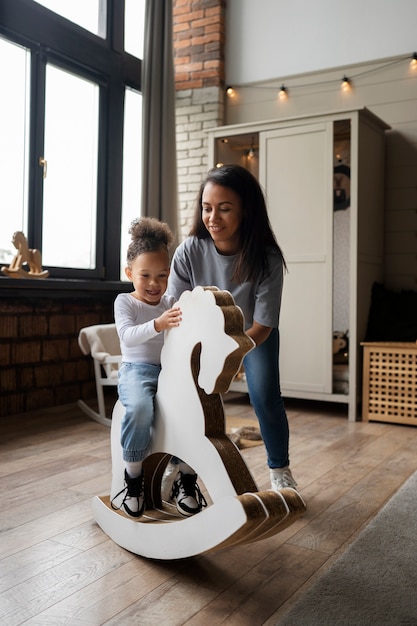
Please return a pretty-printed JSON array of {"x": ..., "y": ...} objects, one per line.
[{"x": 323, "y": 177}]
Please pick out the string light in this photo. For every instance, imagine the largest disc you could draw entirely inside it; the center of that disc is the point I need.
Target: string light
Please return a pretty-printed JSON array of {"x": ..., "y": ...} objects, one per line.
[{"x": 346, "y": 82}]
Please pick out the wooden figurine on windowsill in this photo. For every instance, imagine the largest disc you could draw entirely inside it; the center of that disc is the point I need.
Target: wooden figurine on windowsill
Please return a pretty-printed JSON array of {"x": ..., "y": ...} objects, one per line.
[{"x": 25, "y": 256}]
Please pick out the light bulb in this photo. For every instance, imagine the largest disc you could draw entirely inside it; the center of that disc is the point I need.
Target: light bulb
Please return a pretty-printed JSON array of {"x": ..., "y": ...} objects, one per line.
[
  {"x": 345, "y": 83},
  {"x": 251, "y": 152},
  {"x": 283, "y": 93}
]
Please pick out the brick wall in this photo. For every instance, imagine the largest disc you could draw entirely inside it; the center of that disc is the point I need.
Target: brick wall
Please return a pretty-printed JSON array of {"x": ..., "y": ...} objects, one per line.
[
  {"x": 41, "y": 364},
  {"x": 198, "y": 43},
  {"x": 199, "y": 80}
]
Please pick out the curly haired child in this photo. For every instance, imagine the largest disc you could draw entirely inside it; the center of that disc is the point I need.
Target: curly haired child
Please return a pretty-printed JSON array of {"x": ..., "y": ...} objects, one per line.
[{"x": 140, "y": 318}]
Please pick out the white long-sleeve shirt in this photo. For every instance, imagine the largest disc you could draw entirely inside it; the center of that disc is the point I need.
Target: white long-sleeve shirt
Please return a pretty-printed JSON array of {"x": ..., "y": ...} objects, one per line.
[{"x": 139, "y": 341}]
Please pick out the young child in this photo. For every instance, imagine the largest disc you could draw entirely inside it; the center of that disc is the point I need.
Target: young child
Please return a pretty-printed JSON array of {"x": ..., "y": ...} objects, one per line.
[{"x": 141, "y": 317}]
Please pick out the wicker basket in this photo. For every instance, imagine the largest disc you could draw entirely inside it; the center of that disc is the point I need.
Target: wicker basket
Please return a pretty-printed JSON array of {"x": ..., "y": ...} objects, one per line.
[{"x": 390, "y": 382}]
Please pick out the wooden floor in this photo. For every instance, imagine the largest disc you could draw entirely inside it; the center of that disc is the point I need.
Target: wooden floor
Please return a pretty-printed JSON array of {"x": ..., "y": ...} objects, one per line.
[{"x": 57, "y": 567}]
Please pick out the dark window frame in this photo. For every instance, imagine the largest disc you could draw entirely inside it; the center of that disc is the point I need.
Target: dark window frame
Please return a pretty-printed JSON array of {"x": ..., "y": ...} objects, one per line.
[{"x": 53, "y": 38}]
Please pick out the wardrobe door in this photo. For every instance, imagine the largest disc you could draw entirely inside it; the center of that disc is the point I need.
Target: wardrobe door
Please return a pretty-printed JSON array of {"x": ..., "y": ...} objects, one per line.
[{"x": 296, "y": 172}]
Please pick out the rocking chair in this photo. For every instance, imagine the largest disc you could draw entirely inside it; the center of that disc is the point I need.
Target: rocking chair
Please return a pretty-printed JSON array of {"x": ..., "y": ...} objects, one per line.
[{"x": 102, "y": 341}]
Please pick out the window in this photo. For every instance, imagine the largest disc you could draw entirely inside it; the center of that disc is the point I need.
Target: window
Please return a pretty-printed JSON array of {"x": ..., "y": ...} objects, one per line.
[
  {"x": 71, "y": 150},
  {"x": 90, "y": 14},
  {"x": 132, "y": 184},
  {"x": 70, "y": 128},
  {"x": 134, "y": 14},
  {"x": 14, "y": 110}
]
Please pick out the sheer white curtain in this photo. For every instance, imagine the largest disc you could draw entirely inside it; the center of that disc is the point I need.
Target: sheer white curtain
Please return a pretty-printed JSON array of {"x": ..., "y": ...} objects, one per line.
[{"x": 159, "y": 158}]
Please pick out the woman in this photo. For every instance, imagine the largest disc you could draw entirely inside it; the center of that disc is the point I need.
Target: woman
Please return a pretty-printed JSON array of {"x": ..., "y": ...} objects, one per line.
[{"x": 231, "y": 245}]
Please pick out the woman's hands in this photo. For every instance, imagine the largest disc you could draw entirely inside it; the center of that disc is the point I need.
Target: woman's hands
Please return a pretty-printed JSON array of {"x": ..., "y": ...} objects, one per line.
[{"x": 168, "y": 319}]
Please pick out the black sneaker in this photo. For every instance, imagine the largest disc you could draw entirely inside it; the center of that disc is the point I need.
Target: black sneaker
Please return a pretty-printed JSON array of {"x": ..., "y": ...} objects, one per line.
[
  {"x": 187, "y": 495},
  {"x": 133, "y": 502}
]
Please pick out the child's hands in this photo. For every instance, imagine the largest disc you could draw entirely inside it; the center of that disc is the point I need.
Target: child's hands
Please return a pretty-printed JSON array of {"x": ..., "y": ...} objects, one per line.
[{"x": 168, "y": 319}]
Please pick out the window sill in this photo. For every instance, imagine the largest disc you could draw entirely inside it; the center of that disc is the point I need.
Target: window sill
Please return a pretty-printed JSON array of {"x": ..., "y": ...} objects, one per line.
[{"x": 60, "y": 287}]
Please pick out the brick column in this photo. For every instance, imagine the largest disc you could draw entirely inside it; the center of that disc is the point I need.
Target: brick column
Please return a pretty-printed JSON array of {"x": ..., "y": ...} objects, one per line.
[{"x": 199, "y": 81}]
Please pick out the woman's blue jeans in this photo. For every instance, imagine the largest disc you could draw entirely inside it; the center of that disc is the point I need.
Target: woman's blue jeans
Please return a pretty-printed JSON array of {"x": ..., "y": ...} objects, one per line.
[
  {"x": 262, "y": 377},
  {"x": 137, "y": 388}
]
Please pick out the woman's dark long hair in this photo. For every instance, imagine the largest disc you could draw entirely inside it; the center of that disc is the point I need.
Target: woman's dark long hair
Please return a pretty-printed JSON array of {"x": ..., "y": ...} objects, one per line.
[{"x": 256, "y": 235}]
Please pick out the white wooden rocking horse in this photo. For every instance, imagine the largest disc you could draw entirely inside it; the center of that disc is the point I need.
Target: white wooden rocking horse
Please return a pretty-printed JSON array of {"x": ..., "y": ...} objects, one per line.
[{"x": 199, "y": 360}]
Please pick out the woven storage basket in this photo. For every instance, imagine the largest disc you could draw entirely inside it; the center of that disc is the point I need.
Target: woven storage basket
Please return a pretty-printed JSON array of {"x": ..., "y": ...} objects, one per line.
[{"x": 390, "y": 382}]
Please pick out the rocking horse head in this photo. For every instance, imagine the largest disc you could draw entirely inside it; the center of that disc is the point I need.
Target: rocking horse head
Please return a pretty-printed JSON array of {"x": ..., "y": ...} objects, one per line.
[
  {"x": 19, "y": 241},
  {"x": 212, "y": 349}
]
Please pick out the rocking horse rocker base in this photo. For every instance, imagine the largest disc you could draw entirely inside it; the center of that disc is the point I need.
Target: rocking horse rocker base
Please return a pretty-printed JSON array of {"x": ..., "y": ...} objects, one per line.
[
  {"x": 231, "y": 521},
  {"x": 199, "y": 360},
  {"x": 21, "y": 273}
]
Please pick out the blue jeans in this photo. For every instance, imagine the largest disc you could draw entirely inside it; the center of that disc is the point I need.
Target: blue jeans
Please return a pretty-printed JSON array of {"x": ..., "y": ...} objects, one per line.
[
  {"x": 262, "y": 376},
  {"x": 137, "y": 388}
]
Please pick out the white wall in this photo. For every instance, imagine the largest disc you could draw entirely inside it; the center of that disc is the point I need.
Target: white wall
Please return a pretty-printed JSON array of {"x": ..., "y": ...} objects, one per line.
[
  {"x": 268, "y": 39},
  {"x": 309, "y": 45}
]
